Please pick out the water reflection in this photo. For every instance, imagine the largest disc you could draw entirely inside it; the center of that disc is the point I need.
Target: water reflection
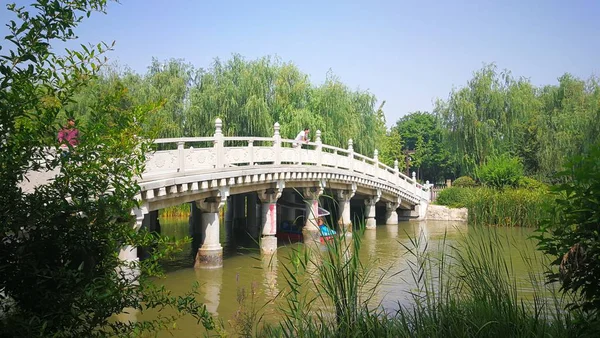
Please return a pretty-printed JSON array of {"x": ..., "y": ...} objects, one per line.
[
  {"x": 211, "y": 282},
  {"x": 392, "y": 230},
  {"x": 269, "y": 268},
  {"x": 129, "y": 315}
]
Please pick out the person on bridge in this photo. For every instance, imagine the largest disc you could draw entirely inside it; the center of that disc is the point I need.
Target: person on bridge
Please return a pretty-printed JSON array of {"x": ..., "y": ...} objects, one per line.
[{"x": 301, "y": 137}]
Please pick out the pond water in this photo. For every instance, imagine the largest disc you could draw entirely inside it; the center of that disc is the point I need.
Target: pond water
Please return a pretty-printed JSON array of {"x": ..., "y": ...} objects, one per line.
[{"x": 382, "y": 249}]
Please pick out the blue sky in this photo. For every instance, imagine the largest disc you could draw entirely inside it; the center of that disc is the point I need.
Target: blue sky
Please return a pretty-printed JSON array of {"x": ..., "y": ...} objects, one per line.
[{"x": 407, "y": 53}]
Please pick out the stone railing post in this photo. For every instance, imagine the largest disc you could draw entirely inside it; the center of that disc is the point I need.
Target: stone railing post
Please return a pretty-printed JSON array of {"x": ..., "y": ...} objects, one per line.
[
  {"x": 251, "y": 152},
  {"x": 376, "y": 161},
  {"x": 218, "y": 144},
  {"x": 350, "y": 155},
  {"x": 180, "y": 157},
  {"x": 276, "y": 144},
  {"x": 396, "y": 172},
  {"x": 319, "y": 148}
]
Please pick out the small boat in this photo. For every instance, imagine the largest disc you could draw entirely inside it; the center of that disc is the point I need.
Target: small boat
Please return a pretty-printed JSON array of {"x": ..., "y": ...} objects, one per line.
[{"x": 289, "y": 232}]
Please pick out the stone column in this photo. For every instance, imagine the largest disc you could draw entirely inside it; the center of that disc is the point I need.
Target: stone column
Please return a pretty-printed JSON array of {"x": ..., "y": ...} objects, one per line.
[
  {"x": 391, "y": 216},
  {"x": 210, "y": 254},
  {"x": 370, "y": 210},
  {"x": 268, "y": 198},
  {"x": 311, "y": 198},
  {"x": 343, "y": 198},
  {"x": 128, "y": 254},
  {"x": 251, "y": 219}
]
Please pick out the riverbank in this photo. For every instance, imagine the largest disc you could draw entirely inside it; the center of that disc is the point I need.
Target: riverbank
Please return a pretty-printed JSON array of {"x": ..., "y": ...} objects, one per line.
[
  {"x": 494, "y": 207},
  {"x": 443, "y": 213}
]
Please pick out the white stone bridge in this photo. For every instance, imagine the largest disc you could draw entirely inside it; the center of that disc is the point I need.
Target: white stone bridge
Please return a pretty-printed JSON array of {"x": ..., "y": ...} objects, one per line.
[{"x": 256, "y": 176}]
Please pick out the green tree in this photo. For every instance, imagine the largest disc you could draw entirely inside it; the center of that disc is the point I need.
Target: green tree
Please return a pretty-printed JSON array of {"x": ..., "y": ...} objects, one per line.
[
  {"x": 60, "y": 274},
  {"x": 391, "y": 149},
  {"x": 480, "y": 119},
  {"x": 421, "y": 133},
  {"x": 568, "y": 122}
]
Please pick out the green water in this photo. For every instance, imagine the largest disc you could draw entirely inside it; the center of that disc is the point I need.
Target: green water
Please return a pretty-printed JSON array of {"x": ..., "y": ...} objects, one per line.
[{"x": 244, "y": 267}]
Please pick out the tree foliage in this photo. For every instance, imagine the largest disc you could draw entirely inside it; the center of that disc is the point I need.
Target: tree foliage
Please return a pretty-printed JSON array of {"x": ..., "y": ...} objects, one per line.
[
  {"x": 391, "y": 149},
  {"x": 60, "y": 272},
  {"x": 421, "y": 133},
  {"x": 572, "y": 236},
  {"x": 496, "y": 113}
]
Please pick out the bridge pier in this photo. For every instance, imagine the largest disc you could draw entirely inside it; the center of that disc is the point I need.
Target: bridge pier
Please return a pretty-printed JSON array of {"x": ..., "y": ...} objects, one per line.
[
  {"x": 268, "y": 198},
  {"x": 391, "y": 215},
  {"x": 370, "y": 202},
  {"x": 311, "y": 198},
  {"x": 343, "y": 198},
  {"x": 210, "y": 253}
]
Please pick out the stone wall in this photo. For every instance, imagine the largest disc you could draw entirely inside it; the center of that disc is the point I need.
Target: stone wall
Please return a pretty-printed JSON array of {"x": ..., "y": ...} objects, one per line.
[{"x": 443, "y": 213}]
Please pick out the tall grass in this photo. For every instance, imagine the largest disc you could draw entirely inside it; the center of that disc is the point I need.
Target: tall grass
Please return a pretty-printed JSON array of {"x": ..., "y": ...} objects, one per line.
[
  {"x": 465, "y": 291},
  {"x": 493, "y": 207}
]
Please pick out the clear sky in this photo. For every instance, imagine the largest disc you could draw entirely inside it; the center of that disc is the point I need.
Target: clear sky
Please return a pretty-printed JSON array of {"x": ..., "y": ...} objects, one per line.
[{"x": 405, "y": 52}]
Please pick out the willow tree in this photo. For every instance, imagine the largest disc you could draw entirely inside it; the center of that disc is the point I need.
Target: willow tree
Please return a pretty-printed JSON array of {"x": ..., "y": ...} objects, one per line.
[
  {"x": 568, "y": 123},
  {"x": 481, "y": 119}
]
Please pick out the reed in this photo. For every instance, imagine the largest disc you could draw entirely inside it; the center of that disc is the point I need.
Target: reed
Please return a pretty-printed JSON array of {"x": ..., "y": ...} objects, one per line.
[
  {"x": 493, "y": 207},
  {"x": 509, "y": 208},
  {"x": 464, "y": 291}
]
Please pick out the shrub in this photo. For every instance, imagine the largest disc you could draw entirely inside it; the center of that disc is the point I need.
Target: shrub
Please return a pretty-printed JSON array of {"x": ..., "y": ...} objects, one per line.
[
  {"x": 572, "y": 237},
  {"x": 464, "y": 182},
  {"x": 501, "y": 171},
  {"x": 455, "y": 197},
  {"x": 531, "y": 183},
  {"x": 508, "y": 207}
]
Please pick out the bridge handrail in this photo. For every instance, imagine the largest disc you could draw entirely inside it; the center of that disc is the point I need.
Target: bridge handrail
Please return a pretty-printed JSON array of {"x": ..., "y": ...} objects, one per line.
[
  {"x": 219, "y": 155},
  {"x": 184, "y": 140}
]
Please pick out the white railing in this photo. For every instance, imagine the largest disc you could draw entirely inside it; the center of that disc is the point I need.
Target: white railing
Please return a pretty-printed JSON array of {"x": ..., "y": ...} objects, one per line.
[{"x": 189, "y": 155}]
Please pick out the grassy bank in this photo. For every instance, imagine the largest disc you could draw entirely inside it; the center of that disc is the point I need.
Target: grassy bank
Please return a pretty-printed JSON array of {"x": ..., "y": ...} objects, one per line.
[{"x": 493, "y": 207}]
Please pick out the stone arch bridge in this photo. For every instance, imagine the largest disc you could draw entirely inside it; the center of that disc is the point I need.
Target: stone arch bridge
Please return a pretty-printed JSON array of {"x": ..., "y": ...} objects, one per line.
[{"x": 257, "y": 177}]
